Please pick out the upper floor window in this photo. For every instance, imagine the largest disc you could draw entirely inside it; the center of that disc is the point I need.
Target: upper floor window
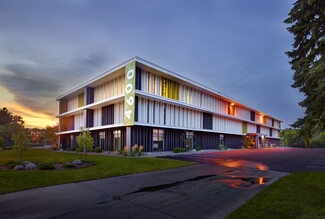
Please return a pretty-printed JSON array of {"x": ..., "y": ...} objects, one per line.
[{"x": 252, "y": 116}]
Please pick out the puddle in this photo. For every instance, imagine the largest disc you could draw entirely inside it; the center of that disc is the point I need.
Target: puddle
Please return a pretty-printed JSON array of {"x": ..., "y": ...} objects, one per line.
[{"x": 244, "y": 182}]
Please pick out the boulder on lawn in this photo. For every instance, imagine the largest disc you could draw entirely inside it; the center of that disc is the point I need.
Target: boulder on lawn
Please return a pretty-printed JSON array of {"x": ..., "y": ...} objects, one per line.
[
  {"x": 77, "y": 162},
  {"x": 30, "y": 166},
  {"x": 19, "y": 167},
  {"x": 26, "y": 162}
]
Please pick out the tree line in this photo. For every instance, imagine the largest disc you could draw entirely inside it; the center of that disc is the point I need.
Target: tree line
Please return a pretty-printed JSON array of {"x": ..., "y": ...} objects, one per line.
[{"x": 12, "y": 126}]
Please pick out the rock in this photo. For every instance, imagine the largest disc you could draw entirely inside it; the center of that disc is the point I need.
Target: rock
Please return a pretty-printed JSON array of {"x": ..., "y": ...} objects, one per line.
[
  {"x": 30, "y": 166},
  {"x": 19, "y": 167},
  {"x": 26, "y": 162},
  {"x": 61, "y": 150},
  {"x": 77, "y": 162}
]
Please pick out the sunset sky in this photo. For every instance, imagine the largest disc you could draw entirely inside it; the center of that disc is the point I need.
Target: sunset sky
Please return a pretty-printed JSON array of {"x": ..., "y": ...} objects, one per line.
[{"x": 236, "y": 47}]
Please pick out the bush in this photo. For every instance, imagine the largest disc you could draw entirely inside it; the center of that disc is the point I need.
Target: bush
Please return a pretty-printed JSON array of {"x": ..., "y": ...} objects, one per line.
[
  {"x": 12, "y": 164},
  {"x": 219, "y": 148},
  {"x": 183, "y": 149},
  {"x": 98, "y": 150},
  {"x": 198, "y": 148},
  {"x": 69, "y": 165},
  {"x": 68, "y": 149},
  {"x": 125, "y": 151},
  {"x": 316, "y": 143},
  {"x": 177, "y": 150},
  {"x": 73, "y": 149},
  {"x": 53, "y": 148},
  {"x": 140, "y": 150},
  {"x": 225, "y": 147},
  {"x": 134, "y": 149},
  {"x": 46, "y": 166}
]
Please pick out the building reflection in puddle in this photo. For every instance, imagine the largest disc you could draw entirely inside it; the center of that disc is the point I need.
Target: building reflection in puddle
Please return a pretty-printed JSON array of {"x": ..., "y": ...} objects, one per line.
[
  {"x": 243, "y": 182},
  {"x": 233, "y": 163}
]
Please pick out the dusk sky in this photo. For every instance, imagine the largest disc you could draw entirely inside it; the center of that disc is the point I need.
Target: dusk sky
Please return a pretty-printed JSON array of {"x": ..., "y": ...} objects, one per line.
[{"x": 235, "y": 47}]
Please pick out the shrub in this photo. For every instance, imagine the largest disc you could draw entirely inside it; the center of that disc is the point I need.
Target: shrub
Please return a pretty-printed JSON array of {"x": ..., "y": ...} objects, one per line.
[
  {"x": 12, "y": 164},
  {"x": 73, "y": 149},
  {"x": 68, "y": 149},
  {"x": 125, "y": 151},
  {"x": 46, "y": 166},
  {"x": 316, "y": 143},
  {"x": 198, "y": 148},
  {"x": 69, "y": 165},
  {"x": 53, "y": 148},
  {"x": 183, "y": 149},
  {"x": 219, "y": 148},
  {"x": 225, "y": 147},
  {"x": 177, "y": 150},
  {"x": 140, "y": 150},
  {"x": 98, "y": 150},
  {"x": 134, "y": 150}
]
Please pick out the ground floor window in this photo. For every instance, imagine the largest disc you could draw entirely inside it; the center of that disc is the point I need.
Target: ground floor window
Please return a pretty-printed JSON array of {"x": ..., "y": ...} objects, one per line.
[
  {"x": 117, "y": 140},
  {"x": 189, "y": 139},
  {"x": 222, "y": 141},
  {"x": 158, "y": 139},
  {"x": 102, "y": 140},
  {"x": 71, "y": 141}
]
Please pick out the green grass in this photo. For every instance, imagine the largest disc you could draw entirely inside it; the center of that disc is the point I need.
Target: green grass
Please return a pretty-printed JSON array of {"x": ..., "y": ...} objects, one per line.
[
  {"x": 106, "y": 166},
  {"x": 298, "y": 195}
]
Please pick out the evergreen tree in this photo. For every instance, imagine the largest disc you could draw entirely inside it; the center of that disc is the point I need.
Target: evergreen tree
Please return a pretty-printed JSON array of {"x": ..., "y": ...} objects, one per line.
[{"x": 307, "y": 20}]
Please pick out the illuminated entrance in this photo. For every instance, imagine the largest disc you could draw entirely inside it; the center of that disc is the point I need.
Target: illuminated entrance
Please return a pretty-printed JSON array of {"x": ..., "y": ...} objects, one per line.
[{"x": 256, "y": 140}]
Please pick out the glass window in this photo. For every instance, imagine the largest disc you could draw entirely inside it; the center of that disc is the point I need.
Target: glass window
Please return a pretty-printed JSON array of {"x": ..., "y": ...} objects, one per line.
[
  {"x": 189, "y": 139},
  {"x": 222, "y": 141},
  {"x": 158, "y": 139},
  {"x": 117, "y": 140},
  {"x": 71, "y": 141},
  {"x": 102, "y": 140}
]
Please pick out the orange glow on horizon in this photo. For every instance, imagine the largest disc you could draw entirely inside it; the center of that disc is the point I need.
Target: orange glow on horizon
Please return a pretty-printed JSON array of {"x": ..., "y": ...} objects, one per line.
[{"x": 32, "y": 119}]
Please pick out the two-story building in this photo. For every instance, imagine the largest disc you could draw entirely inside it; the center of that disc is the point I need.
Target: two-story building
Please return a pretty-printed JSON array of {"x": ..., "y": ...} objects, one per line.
[{"x": 141, "y": 103}]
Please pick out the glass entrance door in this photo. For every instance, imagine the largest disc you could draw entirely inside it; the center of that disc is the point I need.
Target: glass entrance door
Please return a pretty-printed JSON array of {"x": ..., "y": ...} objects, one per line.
[{"x": 116, "y": 140}]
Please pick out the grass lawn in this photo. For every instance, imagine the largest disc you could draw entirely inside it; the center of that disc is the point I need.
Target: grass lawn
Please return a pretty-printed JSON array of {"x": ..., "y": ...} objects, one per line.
[
  {"x": 106, "y": 166},
  {"x": 298, "y": 195}
]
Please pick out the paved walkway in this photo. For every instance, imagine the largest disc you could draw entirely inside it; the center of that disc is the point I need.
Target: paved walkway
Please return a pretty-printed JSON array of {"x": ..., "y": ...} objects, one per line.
[{"x": 196, "y": 191}]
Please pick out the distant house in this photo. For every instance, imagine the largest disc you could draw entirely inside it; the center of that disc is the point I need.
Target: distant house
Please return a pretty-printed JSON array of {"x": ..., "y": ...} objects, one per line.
[{"x": 138, "y": 102}]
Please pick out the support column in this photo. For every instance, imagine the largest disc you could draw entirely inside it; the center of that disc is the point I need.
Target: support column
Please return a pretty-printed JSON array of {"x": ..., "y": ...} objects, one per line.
[
  {"x": 128, "y": 138},
  {"x": 59, "y": 141}
]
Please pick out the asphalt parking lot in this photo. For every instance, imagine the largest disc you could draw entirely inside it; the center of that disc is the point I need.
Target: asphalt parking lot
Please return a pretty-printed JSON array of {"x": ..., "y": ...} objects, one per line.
[{"x": 283, "y": 159}]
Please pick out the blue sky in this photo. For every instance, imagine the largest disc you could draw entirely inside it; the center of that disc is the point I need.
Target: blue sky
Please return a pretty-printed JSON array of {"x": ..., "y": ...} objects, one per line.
[{"x": 236, "y": 47}]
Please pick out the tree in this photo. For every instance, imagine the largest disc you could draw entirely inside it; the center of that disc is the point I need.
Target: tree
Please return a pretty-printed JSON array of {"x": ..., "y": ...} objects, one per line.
[
  {"x": 307, "y": 19},
  {"x": 292, "y": 138},
  {"x": 9, "y": 124},
  {"x": 50, "y": 134},
  {"x": 20, "y": 143},
  {"x": 2, "y": 143},
  {"x": 85, "y": 141}
]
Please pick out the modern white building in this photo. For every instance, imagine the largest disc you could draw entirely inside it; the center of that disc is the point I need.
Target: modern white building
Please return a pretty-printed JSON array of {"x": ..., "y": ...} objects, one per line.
[{"x": 138, "y": 102}]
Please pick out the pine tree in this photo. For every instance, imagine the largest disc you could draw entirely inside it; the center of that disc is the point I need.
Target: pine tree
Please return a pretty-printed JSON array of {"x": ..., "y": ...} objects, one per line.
[{"x": 307, "y": 20}]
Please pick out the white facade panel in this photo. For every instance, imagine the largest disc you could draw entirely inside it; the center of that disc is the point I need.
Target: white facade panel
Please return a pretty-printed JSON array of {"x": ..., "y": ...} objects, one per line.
[
  {"x": 97, "y": 117},
  {"x": 78, "y": 121},
  {"x": 73, "y": 103},
  {"x": 251, "y": 128},
  {"x": 109, "y": 89},
  {"x": 265, "y": 130}
]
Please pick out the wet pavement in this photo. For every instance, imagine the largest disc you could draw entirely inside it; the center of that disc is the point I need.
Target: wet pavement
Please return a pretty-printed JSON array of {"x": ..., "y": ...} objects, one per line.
[
  {"x": 283, "y": 159},
  {"x": 198, "y": 191}
]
